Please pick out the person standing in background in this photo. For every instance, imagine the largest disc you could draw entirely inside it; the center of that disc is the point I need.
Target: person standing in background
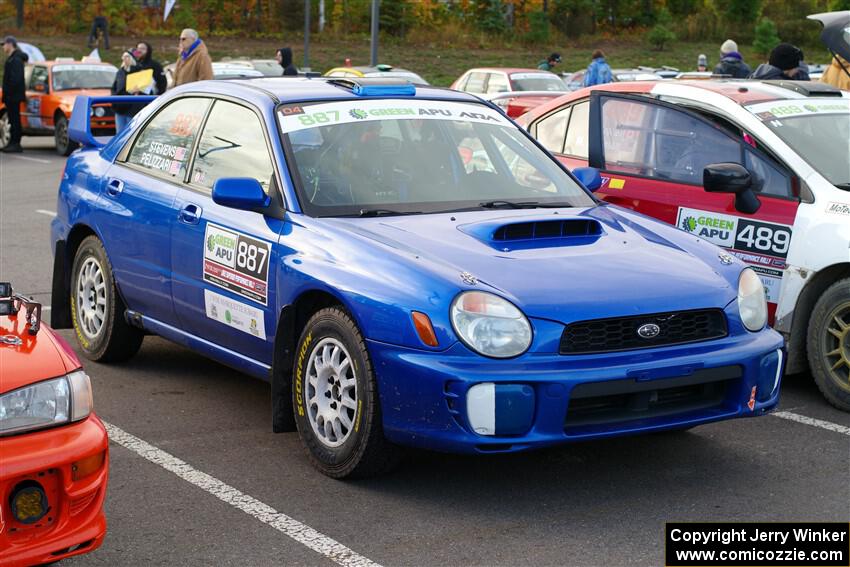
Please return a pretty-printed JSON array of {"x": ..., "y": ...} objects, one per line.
[
  {"x": 284, "y": 59},
  {"x": 598, "y": 72},
  {"x": 549, "y": 63},
  {"x": 785, "y": 63},
  {"x": 145, "y": 60},
  {"x": 838, "y": 73},
  {"x": 702, "y": 63},
  {"x": 731, "y": 62},
  {"x": 14, "y": 91},
  {"x": 123, "y": 112},
  {"x": 194, "y": 63}
]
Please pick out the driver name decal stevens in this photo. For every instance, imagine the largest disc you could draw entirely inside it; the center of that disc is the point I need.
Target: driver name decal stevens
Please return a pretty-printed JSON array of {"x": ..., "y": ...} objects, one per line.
[
  {"x": 237, "y": 262},
  {"x": 763, "y": 245}
]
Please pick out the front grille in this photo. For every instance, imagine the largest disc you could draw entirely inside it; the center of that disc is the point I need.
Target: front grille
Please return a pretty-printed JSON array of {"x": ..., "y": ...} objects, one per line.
[
  {"x": 621, "y": 333},
  {"x": 617, "y": 402}
]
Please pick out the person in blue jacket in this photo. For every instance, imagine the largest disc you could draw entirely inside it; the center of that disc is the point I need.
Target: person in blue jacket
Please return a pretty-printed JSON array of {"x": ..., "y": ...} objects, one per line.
[{"x": 598, "y": 72}]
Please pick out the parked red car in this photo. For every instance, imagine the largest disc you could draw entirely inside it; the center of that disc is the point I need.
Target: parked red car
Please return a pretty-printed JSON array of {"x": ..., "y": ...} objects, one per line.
[{"x": 53, "y": 448}]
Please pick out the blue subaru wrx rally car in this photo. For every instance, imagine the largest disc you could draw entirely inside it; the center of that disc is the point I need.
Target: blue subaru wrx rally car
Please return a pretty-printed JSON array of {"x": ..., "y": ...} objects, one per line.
[{"x": 406, "y": 266}]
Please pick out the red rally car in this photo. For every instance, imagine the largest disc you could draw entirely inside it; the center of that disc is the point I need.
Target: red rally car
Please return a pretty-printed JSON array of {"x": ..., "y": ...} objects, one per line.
[{"x": 53, "y": 448}]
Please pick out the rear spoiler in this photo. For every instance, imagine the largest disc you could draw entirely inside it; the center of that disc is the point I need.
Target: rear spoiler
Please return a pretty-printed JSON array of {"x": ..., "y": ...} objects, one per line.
[{"x": 79, "y": 129}]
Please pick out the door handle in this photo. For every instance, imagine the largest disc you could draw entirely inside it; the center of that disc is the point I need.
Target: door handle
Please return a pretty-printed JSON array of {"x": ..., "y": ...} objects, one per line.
[
  {"x": 190, "y": 214},
  {"x": 114, "y": 187}
]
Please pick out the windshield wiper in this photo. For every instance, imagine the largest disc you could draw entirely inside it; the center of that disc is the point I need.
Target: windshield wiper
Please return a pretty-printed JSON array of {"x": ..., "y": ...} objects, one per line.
[
  {"x": 384, "y": 212},
  {"x": 509, "y": 204},
  {"x": 523, "y": 205},
  {"x": 845, "y": 186}
]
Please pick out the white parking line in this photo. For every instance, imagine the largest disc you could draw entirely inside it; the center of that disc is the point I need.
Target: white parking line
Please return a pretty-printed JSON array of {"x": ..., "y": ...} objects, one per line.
[
  {"x": 45, "y": 212},
  {"x": 828, "y": 425},
  {"x": 25, "y": 158},
  {"x": 301, "y": 533}
]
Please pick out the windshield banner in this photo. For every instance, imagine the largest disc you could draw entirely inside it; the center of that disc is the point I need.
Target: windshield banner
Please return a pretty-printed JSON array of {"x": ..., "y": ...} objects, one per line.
[
  {"x": 102, "y": 68},
  {"x": 299, "y": 117},
  {"x": 779, "y": 109}
]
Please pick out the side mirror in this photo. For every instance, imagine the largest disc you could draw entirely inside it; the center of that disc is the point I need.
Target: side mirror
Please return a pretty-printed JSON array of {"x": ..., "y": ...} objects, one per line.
[
  {"x": 243, "y": 193},
  {"x": 732, "y": 178},
  {"x": 589, "y": 177}
]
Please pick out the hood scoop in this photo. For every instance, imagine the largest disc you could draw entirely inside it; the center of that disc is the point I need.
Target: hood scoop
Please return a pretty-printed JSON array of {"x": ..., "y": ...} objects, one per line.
[{"x": 535, "y": 234}]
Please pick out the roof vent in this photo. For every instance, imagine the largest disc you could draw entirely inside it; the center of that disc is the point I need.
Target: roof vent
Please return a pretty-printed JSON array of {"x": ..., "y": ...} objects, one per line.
[{"x": 807, "y": 88}]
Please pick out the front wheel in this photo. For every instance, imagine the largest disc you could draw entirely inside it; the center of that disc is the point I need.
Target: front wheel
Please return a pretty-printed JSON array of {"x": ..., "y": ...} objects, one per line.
[
  {"x": 97, "y": 312},
  {"x": 335, "y": 399},
  {"x": 64, "y": 145},
  {"x": 829, "y": 344}
]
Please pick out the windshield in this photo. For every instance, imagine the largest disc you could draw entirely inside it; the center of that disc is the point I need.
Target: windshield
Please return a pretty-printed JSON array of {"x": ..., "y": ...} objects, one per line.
[
  {"x": 268, "y": 68},
  {"x": 361, "y": 157},
  {"x": 817, "y": 129},
  {"x": 536, "y": 82},
  {"x": 66, "y": 77}
]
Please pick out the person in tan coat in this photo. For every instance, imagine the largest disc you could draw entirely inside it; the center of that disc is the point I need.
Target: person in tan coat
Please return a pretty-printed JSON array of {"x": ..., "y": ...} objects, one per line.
[
  {"x": 194, "y": 63},
  {"x": 837, "y": 76}
]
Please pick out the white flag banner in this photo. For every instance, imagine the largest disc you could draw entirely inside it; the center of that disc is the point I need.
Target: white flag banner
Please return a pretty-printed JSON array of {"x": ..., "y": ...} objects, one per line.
[
  {"x": 169, "y": 4},
  {"x": 92, "y": 57}
]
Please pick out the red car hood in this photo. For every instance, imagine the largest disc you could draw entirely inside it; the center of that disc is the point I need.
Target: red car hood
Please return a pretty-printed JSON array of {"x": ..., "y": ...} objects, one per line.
[{"x": 35, "y": 358}]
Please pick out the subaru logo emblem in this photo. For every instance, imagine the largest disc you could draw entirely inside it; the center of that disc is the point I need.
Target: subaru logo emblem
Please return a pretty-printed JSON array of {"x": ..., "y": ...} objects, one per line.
[{"x": 648, "y": 331}]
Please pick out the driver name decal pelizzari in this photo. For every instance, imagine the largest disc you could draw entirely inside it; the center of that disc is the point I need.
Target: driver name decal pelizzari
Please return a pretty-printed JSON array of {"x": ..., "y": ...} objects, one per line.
[{"x": 237, "y": 263}]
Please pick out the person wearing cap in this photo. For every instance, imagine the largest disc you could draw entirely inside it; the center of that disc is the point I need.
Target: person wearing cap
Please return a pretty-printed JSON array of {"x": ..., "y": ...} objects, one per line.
[
  {"x": 598, "y": 72},
  {"x": 124, "y": 112},
  {"x": 702, "y": 63},
  {"x": 785, "y": 63},
  {"x": 731, "y": 62},
  {"x": 14, "y": 91},
  {"x": 194, "y": 63},
  {"x": 284, "y": 59},
  {"x": 549, "y": 63}
]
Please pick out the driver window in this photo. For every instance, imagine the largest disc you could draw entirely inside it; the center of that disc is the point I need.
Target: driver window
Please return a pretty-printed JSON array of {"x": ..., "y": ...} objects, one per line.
[
  {"x": 39, "y": 77},
  {"x": 656, "y": 141},
  {"x": 233, "y": 144}
]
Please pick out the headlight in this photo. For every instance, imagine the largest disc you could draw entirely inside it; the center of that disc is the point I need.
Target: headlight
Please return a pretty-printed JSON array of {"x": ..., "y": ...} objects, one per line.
[
  {"x": 490, "y": 325},
  {"x": 752, "y": 302},
  {"x": 99, "y": 111},
  {"x": 48, "y": 403}
]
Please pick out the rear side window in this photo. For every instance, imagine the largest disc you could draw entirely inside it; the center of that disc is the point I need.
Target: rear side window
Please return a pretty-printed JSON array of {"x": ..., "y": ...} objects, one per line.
[
  {"x": 578, "y": 131},
  {"x": 476, "y": 83},
  {"x": 39, "y": 77},
  {"x": 166, "y": 142},
  {"x": 552, "y": 129},
  {"x": 233, "y": 145},
  {"x": 498, "y": 83}
]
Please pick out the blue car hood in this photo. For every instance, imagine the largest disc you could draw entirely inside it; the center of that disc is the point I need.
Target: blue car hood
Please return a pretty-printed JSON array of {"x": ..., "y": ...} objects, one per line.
[{"x": 633, "y": 266}]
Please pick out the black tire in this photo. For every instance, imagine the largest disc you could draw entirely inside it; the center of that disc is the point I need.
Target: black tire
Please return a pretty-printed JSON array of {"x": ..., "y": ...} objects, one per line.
[
  {"x": 5, "y": 130},
  {"x": 828, "y": 344},
  {"x": 362, "y": 450},
  {"x": 64, "y": 145},
  {"x": 102, "y": 331}
]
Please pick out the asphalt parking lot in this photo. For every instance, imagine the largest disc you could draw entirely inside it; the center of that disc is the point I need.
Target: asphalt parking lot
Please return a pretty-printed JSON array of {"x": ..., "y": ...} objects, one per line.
[{"x": 198, "y": 478}]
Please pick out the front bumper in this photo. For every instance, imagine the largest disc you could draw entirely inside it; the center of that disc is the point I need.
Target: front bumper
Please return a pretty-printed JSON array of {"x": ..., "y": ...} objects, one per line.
[
  {"x": 432, "y": 400},
  {"x": 75, "y": 522}
]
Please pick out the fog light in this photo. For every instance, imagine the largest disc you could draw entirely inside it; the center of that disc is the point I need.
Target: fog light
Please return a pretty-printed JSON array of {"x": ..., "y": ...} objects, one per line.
[
  {"x": 29, "y": 502},
  {"x": 500, "y": 409}
]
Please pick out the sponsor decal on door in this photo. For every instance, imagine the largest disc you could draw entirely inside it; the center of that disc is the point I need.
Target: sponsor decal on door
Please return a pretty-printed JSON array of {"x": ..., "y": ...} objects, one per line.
[
  {"x": 237, "y": 263},
  {"x": 235, "y": 314}
]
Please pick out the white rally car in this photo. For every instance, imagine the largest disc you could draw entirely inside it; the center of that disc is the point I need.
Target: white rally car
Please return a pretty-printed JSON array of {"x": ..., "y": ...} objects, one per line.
[{"x": 785, "y": 144}]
